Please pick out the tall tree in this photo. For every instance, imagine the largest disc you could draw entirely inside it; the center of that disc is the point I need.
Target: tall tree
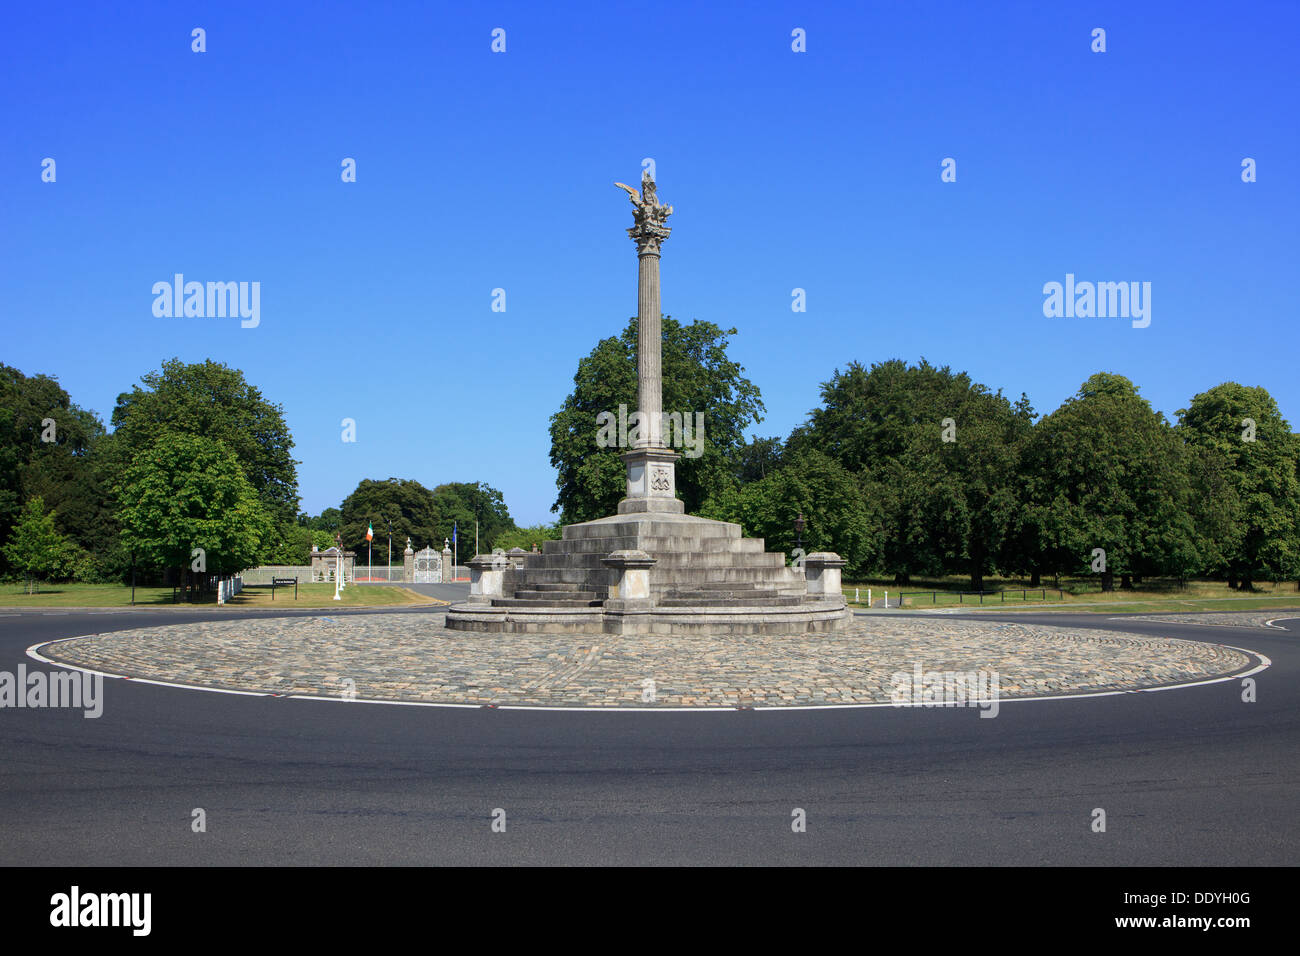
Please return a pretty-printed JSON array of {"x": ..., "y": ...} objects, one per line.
[
  {"x": 1110, "y": 482},
  {"x": 837, "y": 516},
  {"x": 47, "y": 450},
  {"x": 758, "y": 458},
  {"x": 215, "y": 401},
  {"x": 937, "y": 451},
  {"x": 460, "y": 504},
  {"x": 327, "y": 520},
  {"x": 698, "y": 377},
  {"x": 407, "y": 503},
  {"x": 1248, "y": 458},
  {"x": 187, "y": 505}
]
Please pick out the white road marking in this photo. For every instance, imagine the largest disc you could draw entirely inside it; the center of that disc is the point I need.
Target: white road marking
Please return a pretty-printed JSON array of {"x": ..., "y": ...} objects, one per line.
[
  {"x": 1264, "y": 663},
  {"x": 367, "y": 700}
]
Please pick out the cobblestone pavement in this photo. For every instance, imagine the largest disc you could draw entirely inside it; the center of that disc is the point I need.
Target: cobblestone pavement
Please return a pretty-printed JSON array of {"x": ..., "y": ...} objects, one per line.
[
  {"x": 414, "y": 658},
  {"x": 1221, "y": 618}
]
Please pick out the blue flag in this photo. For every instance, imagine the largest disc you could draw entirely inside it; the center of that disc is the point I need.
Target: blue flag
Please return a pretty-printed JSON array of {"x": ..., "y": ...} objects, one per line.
[{"x": 453, "y": 532}]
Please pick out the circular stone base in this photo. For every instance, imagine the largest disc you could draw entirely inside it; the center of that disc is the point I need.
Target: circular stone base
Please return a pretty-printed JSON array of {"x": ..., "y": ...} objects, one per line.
[
  {"x": 413, "y": 657},
  {"x": 778, "y": 622}
]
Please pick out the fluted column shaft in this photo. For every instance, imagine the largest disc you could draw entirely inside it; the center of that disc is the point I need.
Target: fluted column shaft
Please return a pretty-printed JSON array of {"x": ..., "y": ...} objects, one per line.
[{"x": 649, "y": 343}]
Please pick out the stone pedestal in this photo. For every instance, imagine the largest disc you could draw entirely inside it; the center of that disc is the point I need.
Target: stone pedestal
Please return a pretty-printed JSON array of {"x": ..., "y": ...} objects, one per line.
[
  {"x": 628, "y": 607},
  {"x": 630, "y": 587},
  {"x": 822, "y": 571},
  {"x": 487, "y": 577},
  {"x": 651, "y": 482}
]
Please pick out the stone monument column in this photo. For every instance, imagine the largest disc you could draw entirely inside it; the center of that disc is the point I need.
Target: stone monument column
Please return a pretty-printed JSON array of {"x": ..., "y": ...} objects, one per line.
[
  {"x": 651, "y": 466},
  {"x": 649, "y": 340}
]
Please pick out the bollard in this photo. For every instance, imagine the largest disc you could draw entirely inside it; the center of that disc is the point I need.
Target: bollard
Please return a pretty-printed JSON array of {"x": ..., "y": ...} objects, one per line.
[{"x": 855, "y": 596}]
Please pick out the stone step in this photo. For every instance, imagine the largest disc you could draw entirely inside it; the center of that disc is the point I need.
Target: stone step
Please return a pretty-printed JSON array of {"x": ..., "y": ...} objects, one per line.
[
  {"x": 650, "y": 527},
  {"x": 712, "y": 600},
  {"x": 549, "y": 602},
  {"x": 670, "y": 559},
  {"x": 566, "y": 594},
  {"x": 599, "y": 579},
  {"x": 722, "y": 595},
  {"x": 655, "y": 544}
]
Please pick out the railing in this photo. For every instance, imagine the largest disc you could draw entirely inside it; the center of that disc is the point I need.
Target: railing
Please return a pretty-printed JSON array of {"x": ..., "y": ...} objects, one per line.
[
  {"x": 962, "y": 595},
  {"x": 378, "y": 573}
]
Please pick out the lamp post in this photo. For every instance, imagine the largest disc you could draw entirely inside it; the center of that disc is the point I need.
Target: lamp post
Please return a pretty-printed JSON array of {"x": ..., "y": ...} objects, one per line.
[
  {"x": 798, "y": 531},
  {"x": 389, "y": 573},
  {"x": 338, "y": 565}
]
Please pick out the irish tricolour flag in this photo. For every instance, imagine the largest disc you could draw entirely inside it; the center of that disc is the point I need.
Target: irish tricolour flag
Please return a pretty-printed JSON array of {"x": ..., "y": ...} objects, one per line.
[{"x": 370, "y": 532}]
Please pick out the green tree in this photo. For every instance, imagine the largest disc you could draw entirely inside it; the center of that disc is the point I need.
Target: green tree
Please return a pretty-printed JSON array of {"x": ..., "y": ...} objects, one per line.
[
  {"x": 936, "y": 452},
  {"x": 407, "y": 503},
  {"x": 758, "y": 458},
  {"x": 460, "y": 504},
  {"x": 293, "y": 546},
  {"x": 836, "y": 514},
  {"x": 214, "y": 401},
  {"x": 525, "y": 537},
  {"x": 49, "y": 448},
  {"x": 324, "y": 540},
  {"x": 698, "y": 376},
  {"x": 35, "y": 546},
  {"x": 327, "y": 520},
  {"x": 1217, "y": 512},
  {"x": 1247, "y": 460},
  {"x": 188, "y": 493},
  {"x": 1105, "y": 471}
]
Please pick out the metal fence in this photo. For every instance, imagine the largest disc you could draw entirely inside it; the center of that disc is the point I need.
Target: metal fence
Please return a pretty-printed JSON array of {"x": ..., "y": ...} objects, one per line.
[
  {"x": 980, "y": 595},
  {"x": 379, "y": 574}
]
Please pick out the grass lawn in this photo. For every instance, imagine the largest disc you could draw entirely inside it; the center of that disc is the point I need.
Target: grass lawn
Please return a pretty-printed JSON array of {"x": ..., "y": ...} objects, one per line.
[
  {"x": 117, "y": 595},
  {"x": 1086, "y": 595}
]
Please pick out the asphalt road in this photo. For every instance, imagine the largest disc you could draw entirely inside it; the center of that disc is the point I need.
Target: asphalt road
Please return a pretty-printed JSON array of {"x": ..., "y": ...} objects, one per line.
[{"x": 1189, "y": 777}]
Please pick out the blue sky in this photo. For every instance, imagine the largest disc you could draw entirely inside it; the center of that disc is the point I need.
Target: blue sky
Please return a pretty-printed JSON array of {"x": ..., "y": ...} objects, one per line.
[{"x": 475, "y": 170}]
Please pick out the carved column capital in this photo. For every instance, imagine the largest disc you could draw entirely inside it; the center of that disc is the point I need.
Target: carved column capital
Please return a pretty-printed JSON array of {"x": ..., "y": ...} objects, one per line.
[{"x": 649, "y": 237}]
